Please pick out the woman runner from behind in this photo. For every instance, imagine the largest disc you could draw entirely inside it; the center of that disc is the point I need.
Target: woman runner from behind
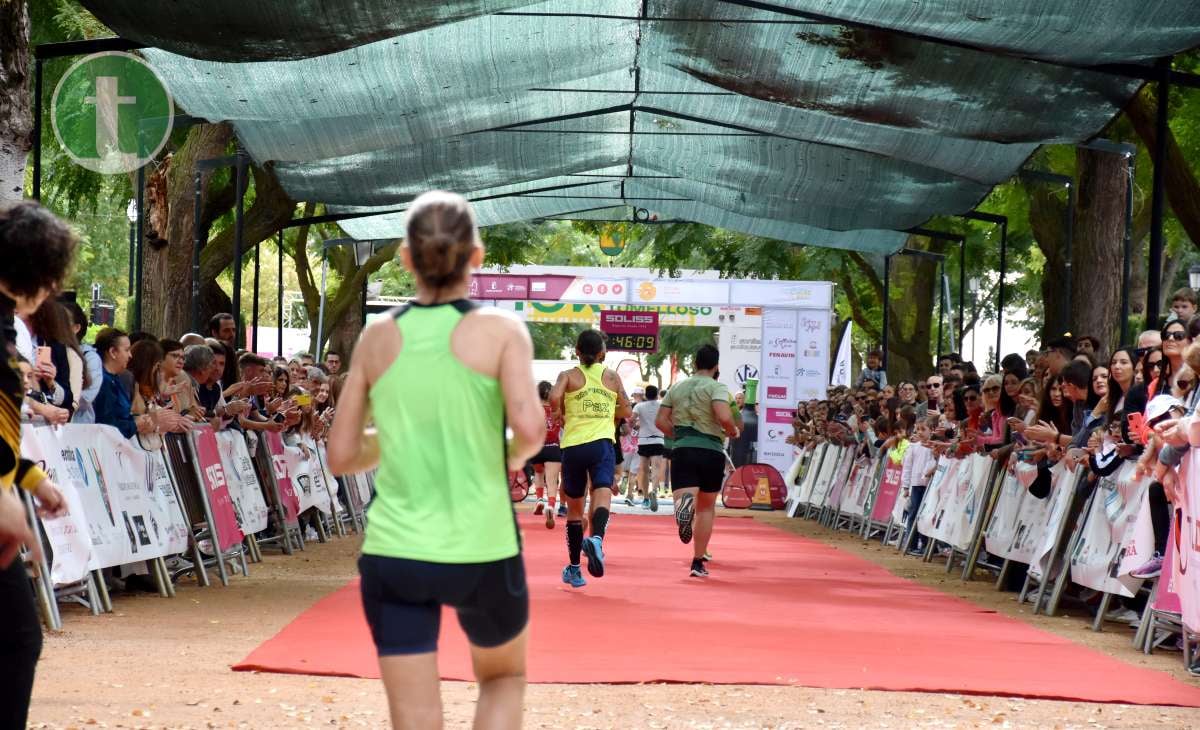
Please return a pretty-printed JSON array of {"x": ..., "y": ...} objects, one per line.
[{"x": 439, "y": 379}]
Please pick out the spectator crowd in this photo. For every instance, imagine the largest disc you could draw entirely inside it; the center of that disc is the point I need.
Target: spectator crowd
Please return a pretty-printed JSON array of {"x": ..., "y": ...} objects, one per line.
[{"x": 1072, "y": 401}]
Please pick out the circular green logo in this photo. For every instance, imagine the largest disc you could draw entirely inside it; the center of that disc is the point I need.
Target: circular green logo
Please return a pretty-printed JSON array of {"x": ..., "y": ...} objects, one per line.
[{"x": 111, "y": 112}]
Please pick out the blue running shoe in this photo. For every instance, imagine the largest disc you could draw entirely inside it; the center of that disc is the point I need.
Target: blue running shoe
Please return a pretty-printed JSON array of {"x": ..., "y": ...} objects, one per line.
[
  {"x": 593, "y": 549},
  {"x": 573, "y": 577},
  {"x": 562, "y": 510}
]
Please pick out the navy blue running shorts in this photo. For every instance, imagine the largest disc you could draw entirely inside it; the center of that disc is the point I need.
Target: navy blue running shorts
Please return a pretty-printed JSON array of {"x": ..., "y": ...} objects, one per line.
[
  {"x": 403, "y": 601},
  {"x": 596, "y": 459}
]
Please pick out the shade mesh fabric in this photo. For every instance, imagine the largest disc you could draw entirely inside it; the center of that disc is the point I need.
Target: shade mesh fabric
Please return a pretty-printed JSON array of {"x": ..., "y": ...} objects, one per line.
[{"x": 822, "y": 122}]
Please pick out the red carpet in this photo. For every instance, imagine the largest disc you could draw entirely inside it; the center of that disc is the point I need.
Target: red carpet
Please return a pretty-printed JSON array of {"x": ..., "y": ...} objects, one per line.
[{"x": 778, "y": 609}]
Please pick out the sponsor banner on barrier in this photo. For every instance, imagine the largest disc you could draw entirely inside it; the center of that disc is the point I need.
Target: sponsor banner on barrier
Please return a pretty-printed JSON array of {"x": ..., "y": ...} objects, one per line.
[
  {"x": 840, "y": 478},
  {"x": 1166, "y": 594},
  {"x": 888, "y": 491},
  {"x": 300, "y": 462},
  {"x": 110, "y": 474},
  {"x": 323, "y": 480},
  {"x": 854, "y": 497},
  {"x": 1108, "y": 534},
  {"x": 248, "y": 503},
  {"x": 1186, "y": 563},
  {"x": 216, "y": 485},
  {"x": 283, "y": 477},
  {"x": 954, "y": 500},
  {"x": 68, "y": 535},
  {"x": 1024, "y": 528},
  {"x": 171, "y": 524}
]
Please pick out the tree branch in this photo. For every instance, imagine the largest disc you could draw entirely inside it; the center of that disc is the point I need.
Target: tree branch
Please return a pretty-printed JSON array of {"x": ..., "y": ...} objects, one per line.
[
  {"x": 868, "y": 271},
  {"x": 271, "y": 209},
  {"x": 1183, "y": 191},
  {"x": 857, "y": 312}
]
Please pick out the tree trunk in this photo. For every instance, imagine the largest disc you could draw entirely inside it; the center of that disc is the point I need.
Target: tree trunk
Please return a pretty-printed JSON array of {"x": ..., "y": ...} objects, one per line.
[
  {"x": 167, "y": 275},
  {"x": 1183, "y": 190},
  {"x": 910, "y": 330},
  {"x": 1099, "y": 245},
  {"x": 16, "y": 117},
  {"x": 1098, "y": 249}
]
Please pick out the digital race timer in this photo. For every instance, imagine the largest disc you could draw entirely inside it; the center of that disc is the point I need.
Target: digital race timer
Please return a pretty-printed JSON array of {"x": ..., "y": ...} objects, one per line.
[{"x": 630, "y": 331}]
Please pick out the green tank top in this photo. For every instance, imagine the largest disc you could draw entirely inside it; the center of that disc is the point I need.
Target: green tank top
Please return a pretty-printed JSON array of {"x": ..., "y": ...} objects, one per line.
[
  {"x": 441, "y": 492},
  {"x": 589, "y": 413}
]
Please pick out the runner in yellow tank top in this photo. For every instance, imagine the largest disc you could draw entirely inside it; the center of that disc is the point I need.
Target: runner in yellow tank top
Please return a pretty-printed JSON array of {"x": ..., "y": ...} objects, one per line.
[
  {"x": 440, "y": 381},
  {"x": 590, "y": 398}
]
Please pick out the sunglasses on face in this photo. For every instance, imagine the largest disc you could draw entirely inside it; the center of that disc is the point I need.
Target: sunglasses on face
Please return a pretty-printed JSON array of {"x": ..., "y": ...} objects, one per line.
[
  {"x": 931, "y": 386},
  {"x": 992, "y": 389},
  {"x": 971, "y": 398},
  {"x": 1156, "y": 365},
  {"x": 1176, "y": 335}
]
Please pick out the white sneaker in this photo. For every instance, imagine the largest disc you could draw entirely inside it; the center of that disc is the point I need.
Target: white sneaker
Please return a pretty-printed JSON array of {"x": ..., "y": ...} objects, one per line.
[
  {"x": 1122, "y": 615},
  {"x": 311, "y": 534}
]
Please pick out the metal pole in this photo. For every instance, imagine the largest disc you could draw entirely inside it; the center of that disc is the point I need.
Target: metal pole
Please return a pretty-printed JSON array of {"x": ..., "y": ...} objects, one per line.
[
  {"x": 238, "y": 231},
  {"x": 254, "y": 306},
  {"x": 1000, "y": 305},
  {"x": 887, "y": 291},
  {"x": 37, "y": 129},
  {"x": 941, "y": 307},
  {"x": 196, "y": 245},
  {"x": 1070, "y": 262},
  {"x": 1127, "y": 260},
  {"x": 140, "y": 225},
  {"x": 132, "y": 258},
  {"x": 1159, "y": 156},
  {"x": 321, "y": 313},
  {"x": 279, "y": 298},
  {"x": 962, "y": 291}
]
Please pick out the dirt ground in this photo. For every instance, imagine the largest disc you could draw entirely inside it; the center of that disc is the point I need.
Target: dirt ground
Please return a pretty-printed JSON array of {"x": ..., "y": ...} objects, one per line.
[{"x": 165, "y": 663}]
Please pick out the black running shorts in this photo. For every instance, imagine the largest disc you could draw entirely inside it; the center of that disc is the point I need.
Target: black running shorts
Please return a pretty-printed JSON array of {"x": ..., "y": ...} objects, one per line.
[
  {"x": 550, "y": 454},
  {"x": 403, "y": 601},
  {"x": 595, "y": 460},
  {"x": 651, "y": 450},
  {"x": 692, "y": 467}
]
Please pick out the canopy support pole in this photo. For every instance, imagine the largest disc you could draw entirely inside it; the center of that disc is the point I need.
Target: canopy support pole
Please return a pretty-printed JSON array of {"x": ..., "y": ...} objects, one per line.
[
  {"x": 254, "y": 305},
  {"x": 887, "y": 291},
  {"x": 1127, "y": 256},
  {"x": 321, "y": 312},
  {"x": 238, "y": 240},
  {"x": 1000, "y": 295},
  {"x": 941, "y": 306},
  {"x": 37, "y": 129},
  {"x": 139, "y": 245},
  {"x": 196, "y": 244},
  {"x": 279, "y": 298},
  {"x": 1157, "y": 202}
]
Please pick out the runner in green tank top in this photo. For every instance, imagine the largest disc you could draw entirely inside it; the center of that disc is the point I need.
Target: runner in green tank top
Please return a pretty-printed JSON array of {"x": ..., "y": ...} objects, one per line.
[{"x": 439, "y": 381}]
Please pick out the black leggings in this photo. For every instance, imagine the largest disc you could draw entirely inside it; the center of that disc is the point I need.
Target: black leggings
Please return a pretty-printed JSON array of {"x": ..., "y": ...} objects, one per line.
[
  {"x": 1160, "y": 516},
  {"x": 20, "y": 644}
]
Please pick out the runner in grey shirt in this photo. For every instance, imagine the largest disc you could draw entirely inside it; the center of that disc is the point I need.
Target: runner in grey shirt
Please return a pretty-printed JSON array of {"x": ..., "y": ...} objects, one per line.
[{"x": 650, "y": 450}]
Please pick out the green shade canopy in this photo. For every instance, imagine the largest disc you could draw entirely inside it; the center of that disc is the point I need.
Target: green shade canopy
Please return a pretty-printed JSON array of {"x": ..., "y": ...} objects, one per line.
[{"x": 821, "y": 122}]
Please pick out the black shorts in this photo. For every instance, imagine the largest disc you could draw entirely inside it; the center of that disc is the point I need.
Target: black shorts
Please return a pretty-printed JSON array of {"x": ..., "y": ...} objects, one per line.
[
  {"x": 403, "y": 601},
  {"x": 596, "y": 460},
  {"x": 651, "y": 450},
  {"x": 692, "y": 467},
  {"x": 550, "y": 454}
]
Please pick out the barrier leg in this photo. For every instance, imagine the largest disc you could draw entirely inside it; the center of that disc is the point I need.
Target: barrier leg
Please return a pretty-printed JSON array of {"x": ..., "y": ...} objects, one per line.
[
  {"x": 198, "y": 566},
  {"x": 242, "y": 558},
  {"x": 1144, "y": 637},
  {"x": 1004, "y": 574},
  {"x": 102, "y": 588},
  {"x": 322, "y": 533},
  {"x": 156, "y": 571},
  {"x": 170, "y": 585},
  {"x": 1098, "y": 622},
  {"x": 929, "y": 550},
  {"x": 93, "y": 595}
]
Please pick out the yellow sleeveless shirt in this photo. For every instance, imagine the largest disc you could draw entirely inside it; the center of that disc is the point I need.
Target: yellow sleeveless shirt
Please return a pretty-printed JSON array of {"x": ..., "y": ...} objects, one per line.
[{"x": 590, "y": 411}]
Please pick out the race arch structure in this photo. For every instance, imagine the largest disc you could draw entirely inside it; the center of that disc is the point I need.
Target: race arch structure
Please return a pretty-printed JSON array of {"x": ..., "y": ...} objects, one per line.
[{"x": 793, "y": 319}]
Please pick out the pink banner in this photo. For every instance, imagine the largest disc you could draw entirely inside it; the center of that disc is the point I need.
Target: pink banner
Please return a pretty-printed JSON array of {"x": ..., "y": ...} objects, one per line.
[
  {"x": 1166, "y": 599},
  {"x": 780, "y": 415},
  {"x": 889, "y": 488},
  {"x": 499, "y": 286},
  {"x": 208, "y": 455},
  {"x": 1185, "y": 566},
  {"x": 628, "y": 323},
  {"x": 283, "y": 478}
]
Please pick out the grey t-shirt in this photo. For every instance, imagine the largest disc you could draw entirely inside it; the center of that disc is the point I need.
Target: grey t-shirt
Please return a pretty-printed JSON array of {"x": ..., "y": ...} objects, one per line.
[{"x": 646, "y": 413}]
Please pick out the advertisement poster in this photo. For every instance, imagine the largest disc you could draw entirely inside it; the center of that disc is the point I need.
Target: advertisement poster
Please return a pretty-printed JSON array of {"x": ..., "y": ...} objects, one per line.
[
  {"x": 68, "y": 535},
  {"x": 215, "y": 483},
  {"x": 248, "y": 501},
  {"x": 283, "y": 477}
]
